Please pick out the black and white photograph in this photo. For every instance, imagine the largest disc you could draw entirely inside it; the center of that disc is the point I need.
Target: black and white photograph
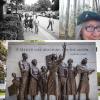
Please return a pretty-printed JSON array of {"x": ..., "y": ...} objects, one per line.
[
  {"x": 51, "y": 71},
  {"x": 29, "y": 19}
]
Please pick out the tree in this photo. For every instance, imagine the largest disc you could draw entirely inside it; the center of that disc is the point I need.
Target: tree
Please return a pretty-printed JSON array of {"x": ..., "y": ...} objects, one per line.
[
  {"x": 98, "y": 77},
  {"x": 36, "y": 7},
  {"x": 55, "y": 6},
  {"x": 97, "y": 3},
  {"x": 83, "y": 5},
  {"x": 44, "y": 4},
  {"x": 75, "y": 11},
  {"x": 3, "y": 52},
  {"x": 67, "y": 19},
  {"x": 15, "y": 3},
  {"x": 1, "y": 9}
]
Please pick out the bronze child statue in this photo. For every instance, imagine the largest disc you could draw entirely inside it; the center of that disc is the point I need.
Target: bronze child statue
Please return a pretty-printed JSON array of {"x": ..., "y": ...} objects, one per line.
[
  {"x": 34, "y": 74},
  {"x": 43, "y": 82}
]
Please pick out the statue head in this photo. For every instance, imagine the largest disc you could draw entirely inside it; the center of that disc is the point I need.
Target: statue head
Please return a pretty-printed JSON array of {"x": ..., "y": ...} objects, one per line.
[
  {"x": 24, "y": 56},
  {"x": 54, "y": 57},
  {"x": 34, "y": 62},
  {"x": 84, "y": 61},
  {"x": 70, "y": 61},
  {"x": 43, "y": 68}
]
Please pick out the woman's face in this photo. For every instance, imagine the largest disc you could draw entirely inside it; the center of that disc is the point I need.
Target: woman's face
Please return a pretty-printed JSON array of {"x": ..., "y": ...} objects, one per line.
[{"x": 91, "y": 30}]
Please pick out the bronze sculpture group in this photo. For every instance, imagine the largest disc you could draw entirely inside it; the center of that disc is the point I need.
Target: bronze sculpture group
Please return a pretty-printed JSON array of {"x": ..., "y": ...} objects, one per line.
[{"x": 56, "y": 78}]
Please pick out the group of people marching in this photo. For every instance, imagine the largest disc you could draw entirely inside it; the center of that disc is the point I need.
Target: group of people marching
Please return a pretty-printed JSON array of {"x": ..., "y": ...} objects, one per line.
[
  {"x": 31, "y": 22},
  {"x": 58, "y": 78}
]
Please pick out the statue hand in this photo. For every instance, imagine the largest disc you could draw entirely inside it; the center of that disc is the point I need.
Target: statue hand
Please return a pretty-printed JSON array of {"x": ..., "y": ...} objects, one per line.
[{"x": 64, "y": 46}]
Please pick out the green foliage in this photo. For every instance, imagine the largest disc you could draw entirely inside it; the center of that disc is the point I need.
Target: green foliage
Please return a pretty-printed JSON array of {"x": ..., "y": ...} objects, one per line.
[
  {"x": 3, "y": 54},
  {"x": 2, "y": 92},
  {"x": 12, "y": 26},
  {"x": 98, "y": 77},
  {"x": 3, "y": 50}
]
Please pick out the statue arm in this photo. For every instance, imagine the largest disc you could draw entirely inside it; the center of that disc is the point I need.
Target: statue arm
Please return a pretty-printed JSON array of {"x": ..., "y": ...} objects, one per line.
[
  {"x": 80, "y": 69},
  {"x": 31, "y": 72},
  {"x": 64, "y": 51},
  {"x": 20, "y": 67},
  {"x": 63, "y": 56},
  {"x": 75, "y": 71},
  {"x": 44, "y": 72},
  {"x": 91, "y": 71}
]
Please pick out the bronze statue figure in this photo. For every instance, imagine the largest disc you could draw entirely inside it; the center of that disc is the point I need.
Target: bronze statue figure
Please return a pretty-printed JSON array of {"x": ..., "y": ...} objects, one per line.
[
  {"x": 34, "y": 72},
  {"x": 43, "y": 82},
  {"x": 71, "y": 87},
  {"x": 62, "y": 76},
  {"x": 24, "y": 68},
  {"x": 52, "y": 83},
  {"x": 84, "y": 86},
  {"x": 14, "y": 88}
]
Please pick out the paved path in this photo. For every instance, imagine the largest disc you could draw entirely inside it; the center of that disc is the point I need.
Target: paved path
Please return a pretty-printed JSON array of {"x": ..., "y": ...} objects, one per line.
[{"x": 43, "y": 33}]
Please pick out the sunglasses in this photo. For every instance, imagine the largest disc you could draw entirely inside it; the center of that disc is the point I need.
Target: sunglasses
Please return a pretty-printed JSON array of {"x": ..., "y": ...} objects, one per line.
[{"x": 91, "y": 28}]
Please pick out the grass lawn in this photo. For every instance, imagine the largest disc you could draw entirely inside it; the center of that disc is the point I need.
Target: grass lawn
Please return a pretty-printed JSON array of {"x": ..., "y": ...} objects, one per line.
[
  {"x": 2, "y": 93},
  {"x": 98, "y": 94}
]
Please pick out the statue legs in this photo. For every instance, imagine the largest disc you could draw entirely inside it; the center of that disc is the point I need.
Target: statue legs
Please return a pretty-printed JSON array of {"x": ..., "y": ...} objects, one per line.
[
  {"x": 47, "y": 96},
  {"x": 42, "y": 96},
  {"x": 74, "y": 97},
  {"x": 87, "y": 96}
]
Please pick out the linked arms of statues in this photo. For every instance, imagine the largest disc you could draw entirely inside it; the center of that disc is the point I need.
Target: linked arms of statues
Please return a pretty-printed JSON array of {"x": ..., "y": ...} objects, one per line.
[
  {"x": 81, "y": 69},
  {"x": 45, "y": 72},
  {"x": 34, "y": 76},
  {"x": 91, "y": 71}
]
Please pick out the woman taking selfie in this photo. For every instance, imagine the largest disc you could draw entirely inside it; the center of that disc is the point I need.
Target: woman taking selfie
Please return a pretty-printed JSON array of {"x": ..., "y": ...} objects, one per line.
[{"x": 88, "y": 26}]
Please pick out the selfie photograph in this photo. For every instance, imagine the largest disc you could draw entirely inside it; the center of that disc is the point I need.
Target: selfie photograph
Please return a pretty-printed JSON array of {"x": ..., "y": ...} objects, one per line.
[{"x": 79, "y": 19}]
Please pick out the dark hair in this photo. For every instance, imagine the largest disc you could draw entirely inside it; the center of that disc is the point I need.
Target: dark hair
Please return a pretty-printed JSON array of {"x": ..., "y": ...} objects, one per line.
[
  {"x": 84, "y": 61},
  {"x": 70, "y": 60},
  {"x": 54, "y": 56},
  {"x": 24, "y": 54}
]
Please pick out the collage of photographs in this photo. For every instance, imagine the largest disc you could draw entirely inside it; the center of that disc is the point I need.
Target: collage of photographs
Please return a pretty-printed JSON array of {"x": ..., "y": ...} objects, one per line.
[{"x": 49, "y": 49}]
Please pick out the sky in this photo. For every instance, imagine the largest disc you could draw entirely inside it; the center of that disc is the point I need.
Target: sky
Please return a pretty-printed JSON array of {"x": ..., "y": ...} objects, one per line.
[{"x": 29, "y": 2}]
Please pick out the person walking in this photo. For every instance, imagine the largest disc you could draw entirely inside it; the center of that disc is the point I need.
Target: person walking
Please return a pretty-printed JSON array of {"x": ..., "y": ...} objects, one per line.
[
  {"x": 36, "y": 23},
  {"x": 26, "y": 22},
  {"x": 31, "y": 24},
  {"x": 51, "y": 22}
]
